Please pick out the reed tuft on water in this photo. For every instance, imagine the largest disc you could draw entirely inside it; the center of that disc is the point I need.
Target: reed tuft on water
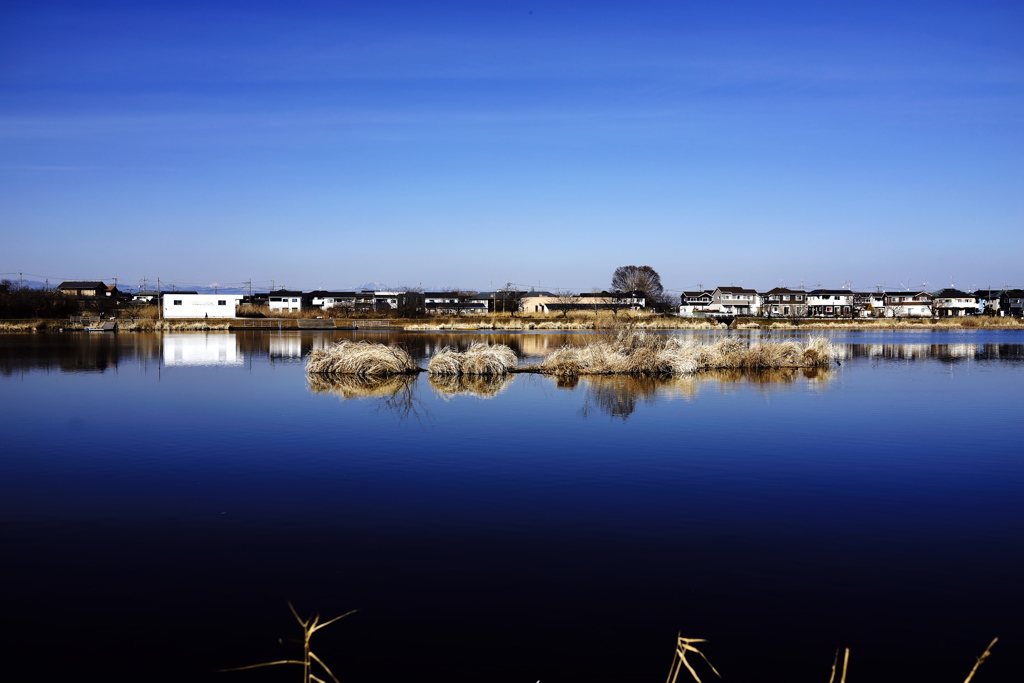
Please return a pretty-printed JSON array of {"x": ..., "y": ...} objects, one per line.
[
  {"x": 644, "y": 353},
  {"x": 362, "y": 359},
  {"x": 478, "y": 359}
]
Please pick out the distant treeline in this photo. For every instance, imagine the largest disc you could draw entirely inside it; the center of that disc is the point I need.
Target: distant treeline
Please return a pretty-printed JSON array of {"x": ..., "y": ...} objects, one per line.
[{"x": 25, "y": 302}]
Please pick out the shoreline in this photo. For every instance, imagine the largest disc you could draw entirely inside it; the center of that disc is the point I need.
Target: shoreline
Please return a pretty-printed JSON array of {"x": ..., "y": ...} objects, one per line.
[{"x": 530, "y": 323}]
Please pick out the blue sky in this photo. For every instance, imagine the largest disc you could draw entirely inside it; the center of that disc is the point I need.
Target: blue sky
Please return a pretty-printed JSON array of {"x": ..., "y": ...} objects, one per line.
[{"x": 472, "y": 144}]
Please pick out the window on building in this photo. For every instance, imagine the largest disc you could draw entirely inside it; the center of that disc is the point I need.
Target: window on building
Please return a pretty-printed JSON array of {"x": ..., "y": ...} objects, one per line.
[
  {"x": 222, "y": 302},
  {"x": 177, "y": 302}
]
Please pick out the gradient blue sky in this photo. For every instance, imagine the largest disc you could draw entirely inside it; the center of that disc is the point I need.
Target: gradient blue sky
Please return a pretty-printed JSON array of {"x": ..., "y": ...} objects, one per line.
[{"x": 476, "y": 143}]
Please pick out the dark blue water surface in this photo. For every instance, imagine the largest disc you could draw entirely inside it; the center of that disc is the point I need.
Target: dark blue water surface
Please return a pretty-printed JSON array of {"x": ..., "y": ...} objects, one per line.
[{"x": 163, "y": 496}]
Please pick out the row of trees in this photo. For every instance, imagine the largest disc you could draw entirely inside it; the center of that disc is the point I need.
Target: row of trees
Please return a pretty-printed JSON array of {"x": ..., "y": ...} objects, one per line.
[{"x": 25, "y": 302}]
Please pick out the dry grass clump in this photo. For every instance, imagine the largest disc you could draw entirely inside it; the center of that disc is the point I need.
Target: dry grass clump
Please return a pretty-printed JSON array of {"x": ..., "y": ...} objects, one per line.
[
  {"x": 478, "y": 359},
  {"x": 566, "y": 325},
  {"x": 627, "y": 353},
  {"x": 362, "y": 359},
  {"x": 480, "y": 386},
  {"x": 643, "y": 353}
]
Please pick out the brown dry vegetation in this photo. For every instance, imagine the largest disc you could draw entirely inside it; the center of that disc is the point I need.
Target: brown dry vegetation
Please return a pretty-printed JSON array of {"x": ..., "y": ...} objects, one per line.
[
  {"x": 969, "y": 322},
  {"x": 643, "y": 353},
  {"x": 362, "y": 359},
  {"x": 478, "y": 359}
]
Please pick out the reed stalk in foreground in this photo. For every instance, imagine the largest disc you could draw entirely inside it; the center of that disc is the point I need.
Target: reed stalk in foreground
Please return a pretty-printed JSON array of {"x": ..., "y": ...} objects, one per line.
[
  {"x": 684, "y": 645},
  {"x": 309, "y": 626},
  {"x": 982, "y": 658},
  {"x": 835, "y": 663},
  {"x": 478, "y": 359},
  {"x": 362, "y": 359}
]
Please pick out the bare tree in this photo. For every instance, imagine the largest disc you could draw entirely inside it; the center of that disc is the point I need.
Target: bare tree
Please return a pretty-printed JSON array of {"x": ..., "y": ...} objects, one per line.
[
  {"x": 614, "y": 302},
  {"x": 567, "y": 302},
  {"x": 509, "y": 300},
  {"x": 638, "y": 278}
]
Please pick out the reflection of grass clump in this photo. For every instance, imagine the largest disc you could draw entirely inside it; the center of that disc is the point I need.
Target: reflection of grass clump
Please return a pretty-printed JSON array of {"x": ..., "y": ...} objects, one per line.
[
  {"x": 478, "y": 359},
  {"x": 643, "y": 353},
  {"x": 481, "y": 386},
  {"x": 362, "y": 359},
  {"x": 355, "y": 386}
]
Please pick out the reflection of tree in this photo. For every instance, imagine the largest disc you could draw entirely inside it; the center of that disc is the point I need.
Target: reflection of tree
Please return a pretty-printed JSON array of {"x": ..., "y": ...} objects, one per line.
[
  {"x": 481, "y": 386},
  {"x": 396, "y": 394},
  {"x": 618, "y": 395}
]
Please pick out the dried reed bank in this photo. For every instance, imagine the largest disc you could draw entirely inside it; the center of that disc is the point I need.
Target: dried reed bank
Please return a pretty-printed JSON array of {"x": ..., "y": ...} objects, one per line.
[
  {"x": 19, "y": 327},
  {"x": 507, "y": 324},
  {"x": 478, "y": 359},
  {"x": 600, "y": 321},
  {"x": 965, "y": 323},
  {"x": 643, "y": 353},
  {"x": 361, "y": 359}
]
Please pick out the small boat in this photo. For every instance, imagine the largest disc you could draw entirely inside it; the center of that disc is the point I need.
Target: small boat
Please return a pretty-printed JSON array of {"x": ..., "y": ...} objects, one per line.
[{"x": 109, "y": 326}]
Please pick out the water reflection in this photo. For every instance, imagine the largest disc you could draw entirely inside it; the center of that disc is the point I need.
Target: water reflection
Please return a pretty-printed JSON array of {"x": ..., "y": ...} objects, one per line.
[
  {"x": 183, "y": 348},
  {"x": 83, "y": 352},
  {"x": 395, "y": 394},
  {"x": 619, "y": 396},
  {"x": 348, "y": 387},
  {"x": 480, "y": 386}
]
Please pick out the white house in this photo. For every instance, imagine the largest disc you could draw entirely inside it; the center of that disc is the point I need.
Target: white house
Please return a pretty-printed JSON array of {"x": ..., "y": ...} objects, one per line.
[
  {"x": 694, "y": 303},
  {"x": 284, "y": 300},
  {"x": 178, "y": 305},
  {"x": 908, "y": 304},
  {"x": 325, "y": 300},
  {"x": 954, "y": 303},
  {"x": 735, "y": 301},
  {"x": 830, "y": 303}
]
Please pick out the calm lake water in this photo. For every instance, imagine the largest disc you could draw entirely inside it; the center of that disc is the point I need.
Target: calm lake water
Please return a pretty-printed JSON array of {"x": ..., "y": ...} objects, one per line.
[{"x": 163, "y": 495}]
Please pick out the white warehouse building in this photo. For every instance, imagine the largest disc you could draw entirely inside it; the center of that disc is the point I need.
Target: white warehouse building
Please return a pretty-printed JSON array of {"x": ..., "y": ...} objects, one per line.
[{"x": 200, "y": 305}]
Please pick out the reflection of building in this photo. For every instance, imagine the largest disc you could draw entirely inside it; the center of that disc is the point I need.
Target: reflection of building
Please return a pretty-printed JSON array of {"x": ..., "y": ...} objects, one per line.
[
  {"x": 190, "y": 348},
  {"x": 286, "y": 346}
]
